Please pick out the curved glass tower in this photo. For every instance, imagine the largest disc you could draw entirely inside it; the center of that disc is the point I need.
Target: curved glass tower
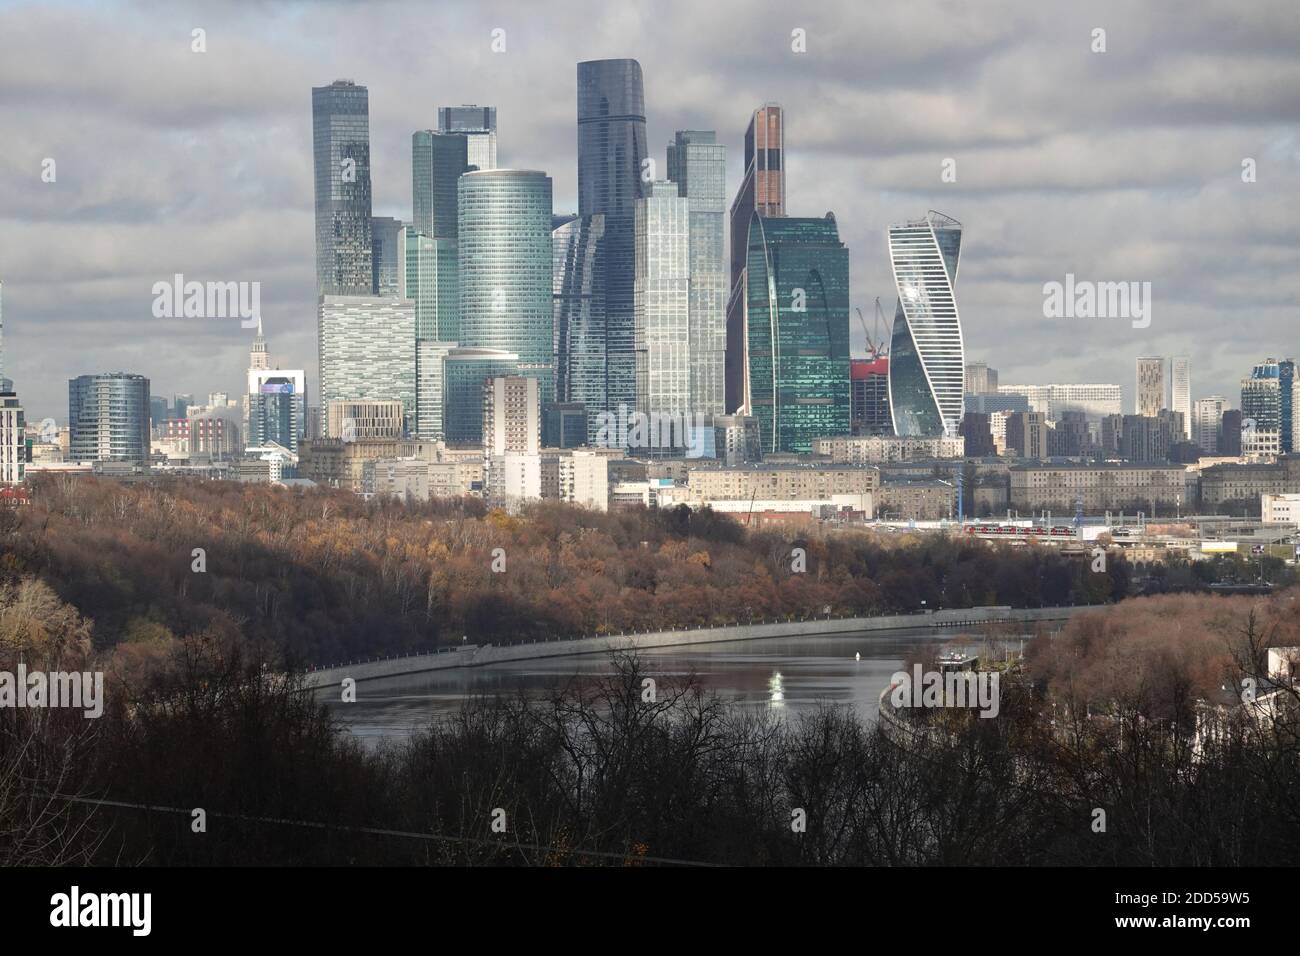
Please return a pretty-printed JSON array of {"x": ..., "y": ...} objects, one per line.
[
  {"x": 505, "y": 262},
  {"x": 926, "y": 355},
  {"x": 797, "y": 300}
]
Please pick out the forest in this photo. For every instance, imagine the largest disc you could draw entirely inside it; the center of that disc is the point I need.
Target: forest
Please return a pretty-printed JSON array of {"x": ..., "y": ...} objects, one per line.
[{"x": 324, "y": 576}]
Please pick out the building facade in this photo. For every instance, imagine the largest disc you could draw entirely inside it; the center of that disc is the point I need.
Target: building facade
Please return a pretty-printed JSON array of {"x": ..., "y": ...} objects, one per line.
[
  {"x": 108, "y": 418},
  {"x": 662, "y": 301},
  {"x": 367, "y": 349}
]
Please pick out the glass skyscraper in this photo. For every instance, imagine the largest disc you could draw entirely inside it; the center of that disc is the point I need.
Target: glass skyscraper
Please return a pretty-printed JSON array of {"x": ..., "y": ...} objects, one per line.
[
  {"x": 797, "y": 300},
  {"x": 663, "y": 286},
  {"x": 479, "y": 126},
  {"x": 467, "y": 370},
  {"x": 384, "y": 232},
  {"x": 437, "y": 162},
  {"x": 698, "y": 164},
  {"x": 341, "y": 148},
  {"x": 429, "y": 279},
  {"x": 108, "y": 418},
  {"x": 505, "y": 263},
  {"x": 926, "y": 357},
  {"x": 611, "y": 164},
  {"x": 762, "y": 191},
  {"x": 579, "y": 300},
  {"x": 1269, "y": 398}
]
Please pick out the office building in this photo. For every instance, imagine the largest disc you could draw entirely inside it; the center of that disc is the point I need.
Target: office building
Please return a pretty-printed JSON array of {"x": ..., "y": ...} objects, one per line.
[
  {"x": 797, "y": 280},
  {"x": 478, "y": 124},
  {"x": 1269, "y": 399},
  {"x": 662, "y": 301},
  {"x": 578, "y": 297},
  {"x": 367, "y": 349},
  {"x": 108, "y": 417},
  {"x": 564, "y": 425},
  {"x": 341, "y": 151},
  {"x": 430, "y": 387},
  {"x": 1207, "y": 423},
  {"x": 869, "y": 397},
  {"x": 697, "y": 162},
  {"x": 352, "y": 421},
  {"x": 926, "y": 356},
  {"x": 505, "y": 269},
  {"x": 762, "y": 192},
  {"x": 611, "y": 158},
  {"x": 1095, "y": 401},
  {"x": 386, "y": 258},
  {"x": 466, "y": 371},
  {"x": 982, "y": 380},
  {"x": 438, "y": 160}
]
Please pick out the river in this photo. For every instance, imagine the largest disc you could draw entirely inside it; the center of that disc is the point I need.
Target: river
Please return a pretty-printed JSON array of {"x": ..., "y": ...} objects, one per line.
[{"x": 786, "y": 674}]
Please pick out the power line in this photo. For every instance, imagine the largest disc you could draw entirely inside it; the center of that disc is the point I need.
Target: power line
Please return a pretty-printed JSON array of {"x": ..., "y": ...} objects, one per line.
[{"x": 380, "y": 831}]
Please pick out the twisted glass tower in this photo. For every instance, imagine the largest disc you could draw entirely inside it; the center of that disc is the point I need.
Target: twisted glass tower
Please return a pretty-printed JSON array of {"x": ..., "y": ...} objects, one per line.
[{"x": 926, "y": 357}]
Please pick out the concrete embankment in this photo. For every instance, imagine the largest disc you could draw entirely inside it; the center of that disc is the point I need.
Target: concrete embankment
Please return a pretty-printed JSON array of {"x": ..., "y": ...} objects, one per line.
[{"x": 482, "y": 655}]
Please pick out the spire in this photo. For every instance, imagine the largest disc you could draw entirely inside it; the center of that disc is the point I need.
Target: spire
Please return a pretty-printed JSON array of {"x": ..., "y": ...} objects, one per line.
[{"x": 257, "y": 355}]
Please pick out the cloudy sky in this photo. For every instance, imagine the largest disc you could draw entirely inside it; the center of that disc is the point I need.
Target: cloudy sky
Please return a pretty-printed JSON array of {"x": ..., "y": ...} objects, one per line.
[{"x": 1117, "y": 166}]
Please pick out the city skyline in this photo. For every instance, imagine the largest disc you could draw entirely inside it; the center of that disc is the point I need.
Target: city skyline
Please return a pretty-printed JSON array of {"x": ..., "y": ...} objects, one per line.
[{"x": 226, "y": 192}]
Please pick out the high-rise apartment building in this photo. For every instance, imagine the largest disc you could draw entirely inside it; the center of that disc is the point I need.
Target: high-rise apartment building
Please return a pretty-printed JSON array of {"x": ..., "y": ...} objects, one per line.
[
  {"x": 762, "y": 191},
  {"x": 512, "y": 416},
  {"x": 341, "y": 150},
  {"x": 926, "y": 356},
  {"x": 697, "y": 162},
  {"x": 611, "y": 166},
  {"x": 505, "y": 268},
  {"x": 1180, "y": 391},
  {"x": 662, "y": 301},
  {"x": 13, "y": 440},
  {"x": 108, "y": 416},
  {"x": 478, "y": 124},
  {"x": 1150, "y": 386},
  {"x": 797, "y": 281},
  {"x": 1026, "y": 434}
]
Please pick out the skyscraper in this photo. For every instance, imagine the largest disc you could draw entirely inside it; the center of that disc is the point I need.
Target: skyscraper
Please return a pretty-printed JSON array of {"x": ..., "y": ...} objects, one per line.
[
  {"x": 611, "y": 167},
  {"x": 437, "y": 161},
  {"x": 797, "y": 292},
  {"x": 429, "y": 279},
  {"x": 479, "y": 126},
  {"x": 698, "y": 164},
  {"x": 505, "y": 263},
  {"x": 762, "y": 191},
  {"x": 927, "y": 356},
  {"x": 663, "y": 285},
  {"x": 1269, "y": 398},
  {"x": 1150, "y": 386},
  {"x": 341, "y": 148},
  {"x": 108, "y": 418},
  {"x": 384, "y": 231},
  {"x": 1180, "y": 391},
  {"x": 579, "y": 301},
  {"x": 980, "y": 379},
  {"x": 367, "y": 350}
]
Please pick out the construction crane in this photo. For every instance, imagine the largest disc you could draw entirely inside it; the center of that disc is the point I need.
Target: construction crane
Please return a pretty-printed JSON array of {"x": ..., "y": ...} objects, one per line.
[{"x": 877, "y": 346}]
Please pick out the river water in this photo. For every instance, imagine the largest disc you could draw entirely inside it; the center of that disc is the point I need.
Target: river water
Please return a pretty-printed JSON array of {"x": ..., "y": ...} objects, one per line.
[{"x": 785, "y": 674}]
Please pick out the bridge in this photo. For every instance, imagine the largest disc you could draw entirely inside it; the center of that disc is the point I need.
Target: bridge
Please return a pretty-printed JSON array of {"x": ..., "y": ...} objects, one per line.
[{"x": 479, "y": 655}]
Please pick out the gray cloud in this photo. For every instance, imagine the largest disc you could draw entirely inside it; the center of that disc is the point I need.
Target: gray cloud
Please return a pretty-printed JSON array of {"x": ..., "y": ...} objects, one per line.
[{"x": 1116, "y": 166}]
